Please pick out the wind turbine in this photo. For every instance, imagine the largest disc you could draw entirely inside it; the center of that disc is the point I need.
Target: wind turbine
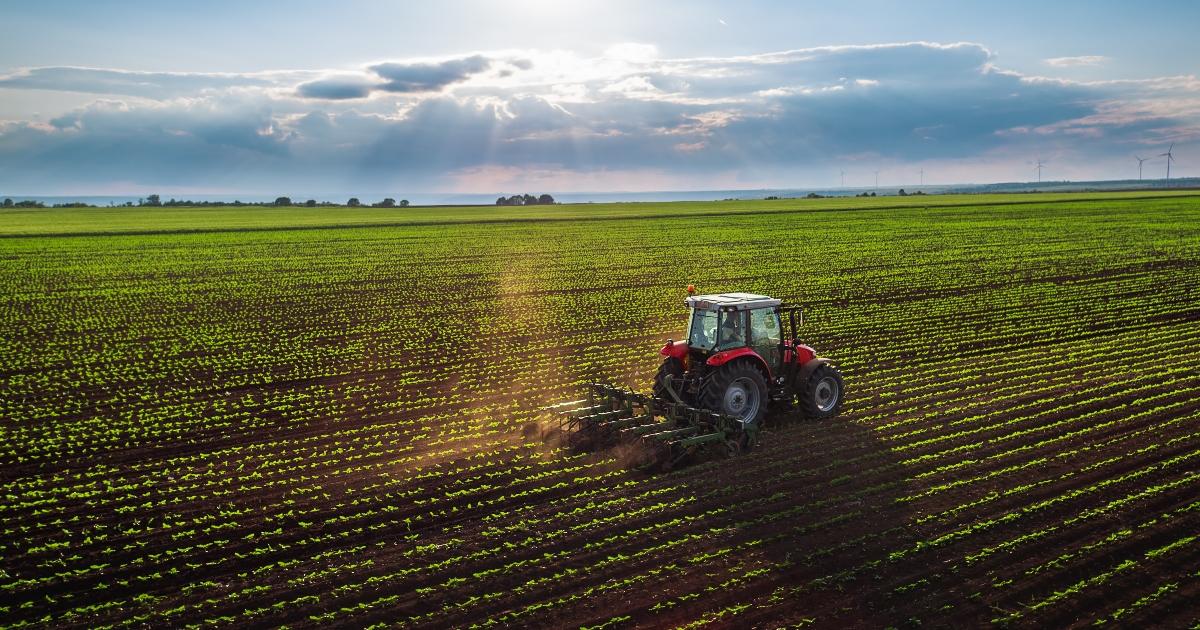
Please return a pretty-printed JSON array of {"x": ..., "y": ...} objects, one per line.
[
  {"x": 1170, "y": 158},
  {"x": 876, "y": 180},
  {"x": 922, "y": 177},
  {"x": 1140, "y": 160},
  {"x": 843, "y": 178},
  {"x": 1040, "y": 164}
]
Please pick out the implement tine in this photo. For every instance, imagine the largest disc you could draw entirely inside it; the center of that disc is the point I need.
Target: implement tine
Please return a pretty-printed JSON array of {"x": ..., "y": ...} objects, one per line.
[
  {"x": 670, "y": 435},
  {"x": 640, "y": 430},
  {"x": 563, "y": 405}
]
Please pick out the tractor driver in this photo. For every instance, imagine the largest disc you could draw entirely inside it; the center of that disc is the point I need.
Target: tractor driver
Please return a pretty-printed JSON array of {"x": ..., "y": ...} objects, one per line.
[{"x": 732, "y": 335}]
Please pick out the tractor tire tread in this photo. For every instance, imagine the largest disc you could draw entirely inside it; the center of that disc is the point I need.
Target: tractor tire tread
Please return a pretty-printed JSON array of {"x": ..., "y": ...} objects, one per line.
[
  {"x": 712, "y": 397},
  {"x": 807, "y": 396}
]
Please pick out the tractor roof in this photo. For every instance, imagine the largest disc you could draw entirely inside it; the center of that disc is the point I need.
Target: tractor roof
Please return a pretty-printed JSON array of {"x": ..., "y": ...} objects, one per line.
[{"x": 731, "y": 301}]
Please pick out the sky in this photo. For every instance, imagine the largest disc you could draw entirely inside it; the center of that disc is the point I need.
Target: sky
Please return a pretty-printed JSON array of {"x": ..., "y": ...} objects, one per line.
[{"x": 306, "y": 97}]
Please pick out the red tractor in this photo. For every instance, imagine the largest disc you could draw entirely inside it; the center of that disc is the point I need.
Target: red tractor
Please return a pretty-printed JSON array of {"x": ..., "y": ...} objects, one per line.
[
  {"x": 737, "y": 361},
  {"x": 714, "y": 387}
]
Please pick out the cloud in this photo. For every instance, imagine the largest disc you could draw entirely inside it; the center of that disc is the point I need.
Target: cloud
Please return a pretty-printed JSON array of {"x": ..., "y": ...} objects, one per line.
[
  {"x": 633, "y": 87},
  {"x": 1069, "y": 62},
  {"x": 336, "y": 88},
  {"x": 771, "y": 119},
  {"x": 408, "y": 77},
  {"x": 392, "y": 76},
  {"x": 145, "y": 84},
  {"x": 428, "y": 77}
]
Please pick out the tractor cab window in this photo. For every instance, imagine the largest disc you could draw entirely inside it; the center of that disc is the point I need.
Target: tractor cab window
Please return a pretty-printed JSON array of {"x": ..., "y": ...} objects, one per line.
[
  {"x": 702, "y": 330},
  {"x": 732, "y": 330},
  {"x": 766, "y": 334}
]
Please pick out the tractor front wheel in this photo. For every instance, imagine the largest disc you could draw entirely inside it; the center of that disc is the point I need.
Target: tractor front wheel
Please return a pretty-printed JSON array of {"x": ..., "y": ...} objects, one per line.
[
  {"x": 823, "y": 393},
  {"x": 738, "y": 390}
]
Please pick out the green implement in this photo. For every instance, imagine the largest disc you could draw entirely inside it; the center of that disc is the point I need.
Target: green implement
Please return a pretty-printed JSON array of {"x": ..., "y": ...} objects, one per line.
[{"x": 667, "y": 431}]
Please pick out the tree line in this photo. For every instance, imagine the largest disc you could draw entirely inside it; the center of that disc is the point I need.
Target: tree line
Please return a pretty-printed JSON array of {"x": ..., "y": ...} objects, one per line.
[
  {"x": 9, "y": 203},
  {"x": 353, "y": 202},
  {"x": 155, "y": 201},
  {"x": 525, "y": 200}
]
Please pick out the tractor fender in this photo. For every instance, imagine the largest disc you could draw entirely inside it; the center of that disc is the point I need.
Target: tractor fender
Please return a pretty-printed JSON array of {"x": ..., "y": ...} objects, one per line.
[
  {"x": 808, "y": 368},
  {"x": 804, "y": 353},
  {"x": 675, "y": 349},
  {"x": 725, "y": 356}
]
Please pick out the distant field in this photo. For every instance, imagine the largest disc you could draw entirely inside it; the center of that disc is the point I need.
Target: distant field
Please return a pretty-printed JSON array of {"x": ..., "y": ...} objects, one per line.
[
  {"x": 168, "y": 219},
  {"x": 212, "y": 417}
]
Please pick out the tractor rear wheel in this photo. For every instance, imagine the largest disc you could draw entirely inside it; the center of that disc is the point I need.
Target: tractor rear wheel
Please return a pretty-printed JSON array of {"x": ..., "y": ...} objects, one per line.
[
  {"x": 673, "y": 368},
  {"x": 738, "y": 390},
  {"x": 823, "y": 393}
]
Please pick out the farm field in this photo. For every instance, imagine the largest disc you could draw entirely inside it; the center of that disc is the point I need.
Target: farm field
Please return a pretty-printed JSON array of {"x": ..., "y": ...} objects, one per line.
[{"x": 313, "y": 417}]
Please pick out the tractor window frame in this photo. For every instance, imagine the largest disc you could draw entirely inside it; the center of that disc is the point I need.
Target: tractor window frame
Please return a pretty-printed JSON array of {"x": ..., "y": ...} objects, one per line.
[
  {"x": 730, "y": 344},
  {"x": 693, "y": 321},
  {"x": 774, "y": 316},
  {"x": 762, "y": 341}
]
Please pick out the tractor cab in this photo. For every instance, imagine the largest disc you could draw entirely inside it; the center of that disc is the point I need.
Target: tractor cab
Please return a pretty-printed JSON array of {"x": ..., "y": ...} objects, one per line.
[{"x": 732, "y": 321}]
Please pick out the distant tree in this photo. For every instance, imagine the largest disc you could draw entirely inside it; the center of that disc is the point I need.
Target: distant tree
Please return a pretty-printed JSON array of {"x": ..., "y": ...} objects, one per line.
[
  {"x": 403, "y": 203},
  {"x": 545, "y": 199},
  {"x": 387, "y": 203},
  {"x": 528, "y": 199},
  {"x": 283, "y": 201},
  {"x": 902, "y": 193},
  {"x": 502, "y": 201},
  {"x": 516, "y": 200},
  {"x": 152, "y": 200},
  {"x": 8, "y": 203},
  {"x": 311, "y": 203},
  {"x": 354, "y": 202}
]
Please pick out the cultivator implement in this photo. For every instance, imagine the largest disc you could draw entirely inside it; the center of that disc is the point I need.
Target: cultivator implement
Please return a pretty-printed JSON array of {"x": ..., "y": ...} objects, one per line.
[{"x": 667, "y": 431}]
